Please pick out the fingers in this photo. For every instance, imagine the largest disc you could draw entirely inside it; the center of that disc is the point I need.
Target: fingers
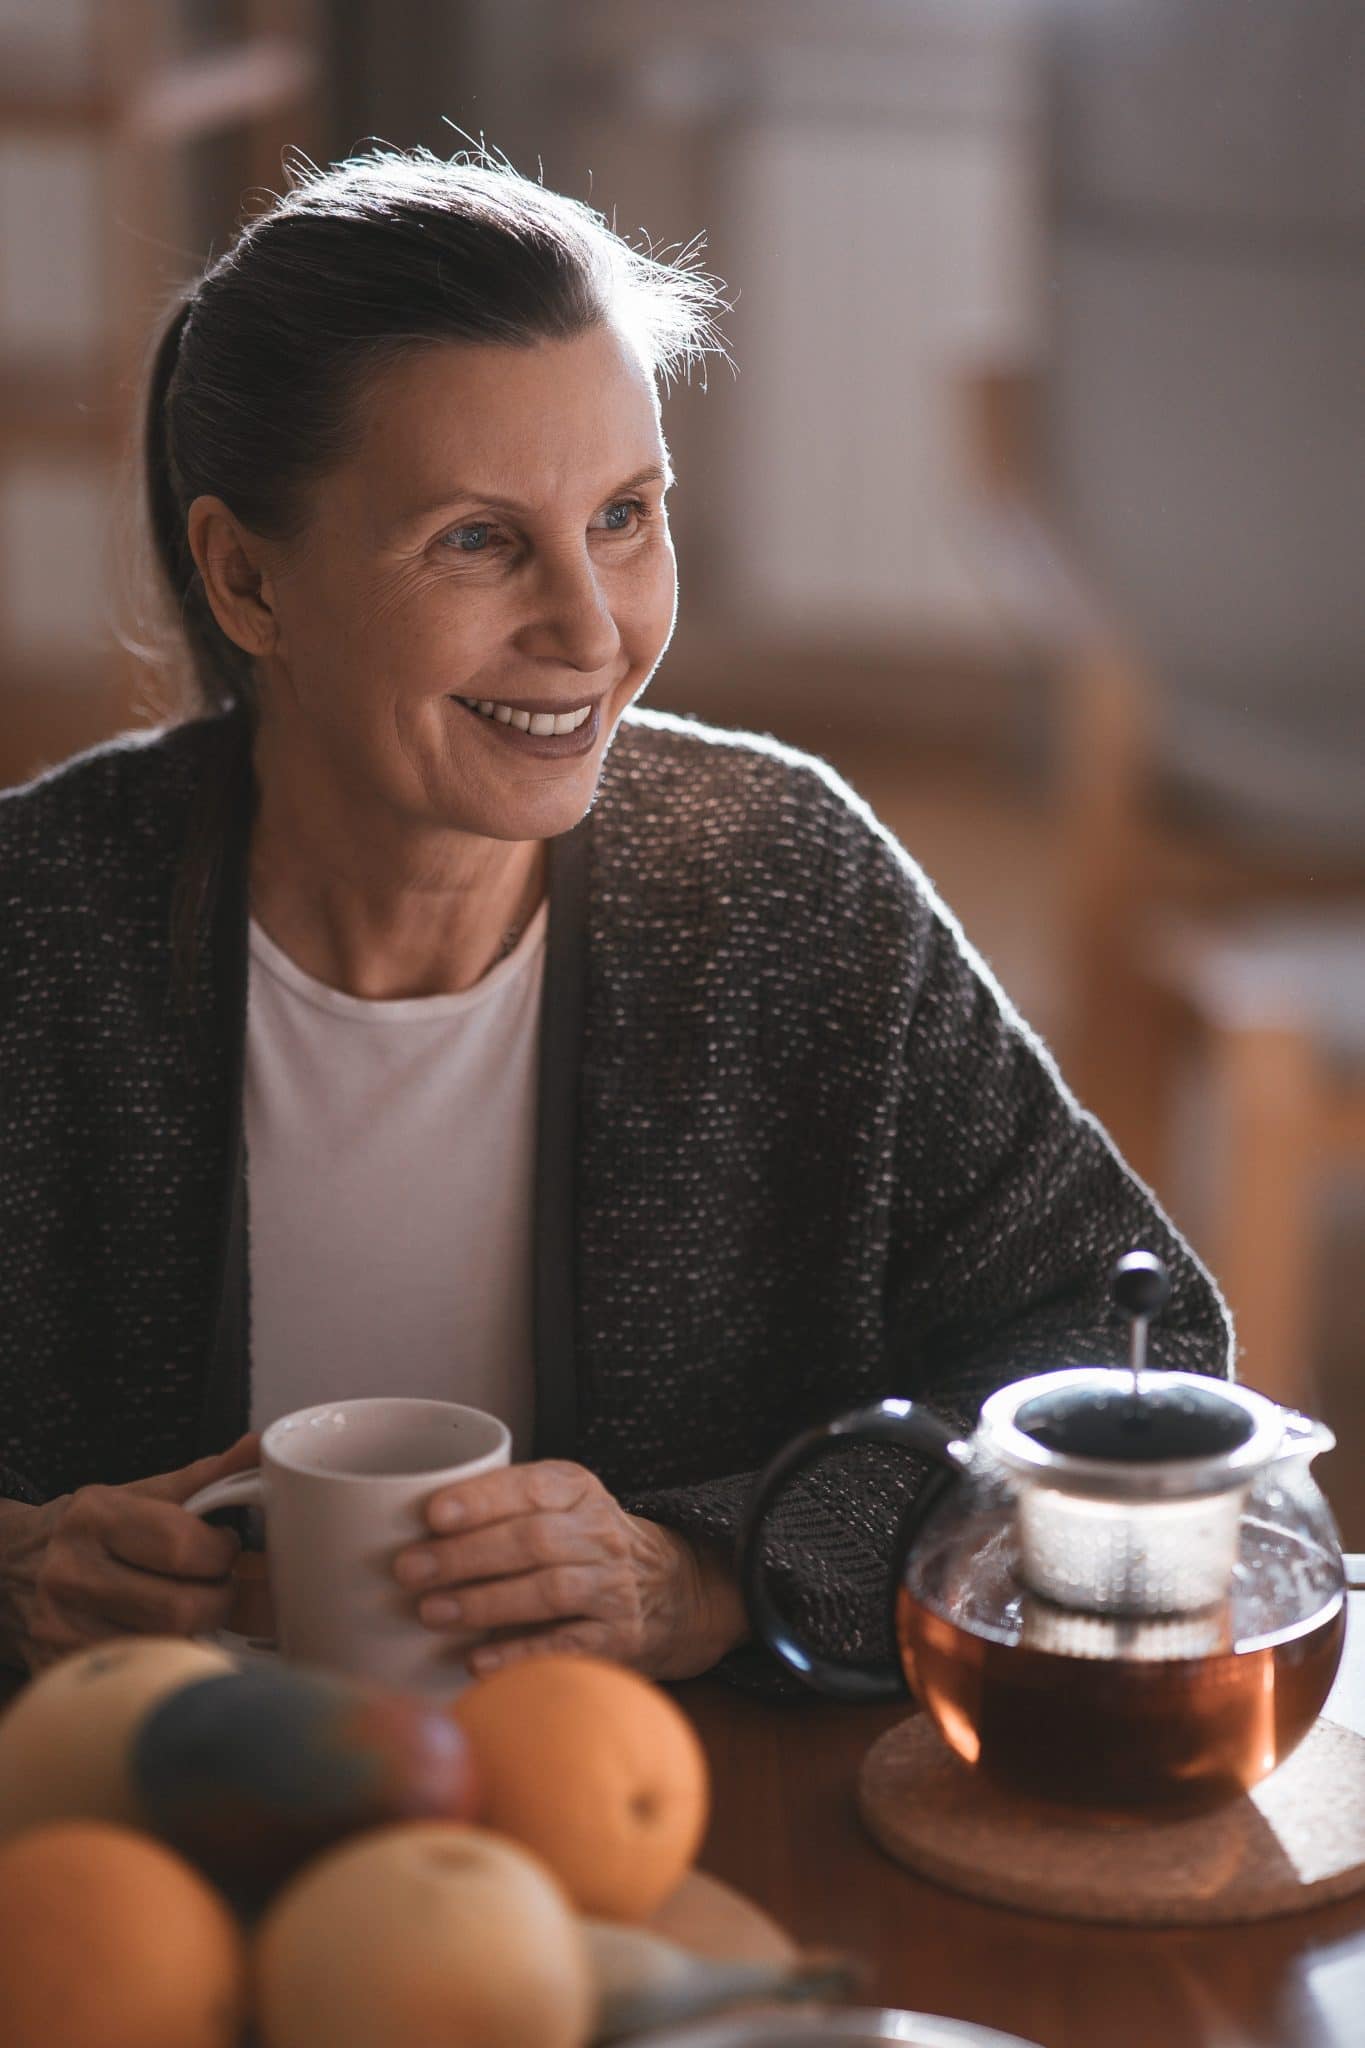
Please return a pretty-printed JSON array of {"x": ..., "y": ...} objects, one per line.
[
  {"x": 544, "y": 1557},
  {"x": 154, "y": 1535},
  {"x": 542, "y": 1548},
  {"x": 129, "y": 1560},
  {"x": 178, "y": 1486},
  {"x": 562, "y": 1593},
  {"x": 550, "y": 1486},
  {"x": 522, "y": 1544},
  {"x": 95, "y": 1594},
  {"x": 163, "y": 1607}
]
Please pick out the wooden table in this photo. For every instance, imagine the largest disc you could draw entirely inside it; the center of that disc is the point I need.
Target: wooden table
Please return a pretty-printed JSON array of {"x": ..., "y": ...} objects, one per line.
[{"x": 786, "y": 1831}]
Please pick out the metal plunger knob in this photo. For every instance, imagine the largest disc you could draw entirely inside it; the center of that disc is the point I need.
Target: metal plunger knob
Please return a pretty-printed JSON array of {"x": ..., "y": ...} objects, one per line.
[{"x": 1141, "y": 1287}]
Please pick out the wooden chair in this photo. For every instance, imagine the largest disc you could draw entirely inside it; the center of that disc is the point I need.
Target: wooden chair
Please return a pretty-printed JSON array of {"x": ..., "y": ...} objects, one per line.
[
  {"x": 1169, "y": 525},
  {"x": 1189, "y": 953},
  {"x": 159, "y": 125}
]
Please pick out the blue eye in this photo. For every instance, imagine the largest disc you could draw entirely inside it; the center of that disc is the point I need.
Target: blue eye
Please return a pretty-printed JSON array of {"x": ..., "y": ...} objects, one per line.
[
  {"x": 469, "y": 540},
  {"x": 624, "y": 516}
]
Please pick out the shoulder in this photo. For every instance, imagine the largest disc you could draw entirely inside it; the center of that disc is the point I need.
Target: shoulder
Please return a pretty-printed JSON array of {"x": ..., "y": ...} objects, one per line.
[
  {"x": 660, "y": 754},
  {"x": 111, "y": 811},
  {"x": 692, "y": 795}
]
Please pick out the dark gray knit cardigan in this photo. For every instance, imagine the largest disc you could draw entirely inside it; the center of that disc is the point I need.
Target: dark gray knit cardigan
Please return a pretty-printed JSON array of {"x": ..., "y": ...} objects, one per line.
[{"x": 796, "y": 1150}]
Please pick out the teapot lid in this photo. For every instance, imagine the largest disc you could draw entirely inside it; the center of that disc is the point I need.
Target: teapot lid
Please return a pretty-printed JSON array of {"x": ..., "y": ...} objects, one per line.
[{"x": 1085, "y": 1431}]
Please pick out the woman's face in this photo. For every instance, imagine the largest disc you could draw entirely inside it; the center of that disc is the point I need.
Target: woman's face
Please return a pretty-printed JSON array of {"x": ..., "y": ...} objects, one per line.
[{"x": 493, "y": 556}]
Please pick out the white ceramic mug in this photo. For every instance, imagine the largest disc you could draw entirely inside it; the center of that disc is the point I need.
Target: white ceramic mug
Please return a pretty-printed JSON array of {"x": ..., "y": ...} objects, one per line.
[{"x": 343, "y": 1487}]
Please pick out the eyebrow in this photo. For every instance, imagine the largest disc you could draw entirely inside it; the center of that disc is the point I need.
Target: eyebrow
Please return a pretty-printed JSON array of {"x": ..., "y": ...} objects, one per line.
[{"x": 656, "y": 473}]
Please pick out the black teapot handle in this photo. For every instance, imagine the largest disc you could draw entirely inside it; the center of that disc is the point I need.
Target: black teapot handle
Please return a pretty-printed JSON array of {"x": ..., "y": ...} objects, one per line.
[{"x": 904, "y": 1423}]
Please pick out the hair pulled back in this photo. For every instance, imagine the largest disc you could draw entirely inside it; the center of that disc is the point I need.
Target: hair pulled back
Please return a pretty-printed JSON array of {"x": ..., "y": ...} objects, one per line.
[{"x": 254, "y": 386}]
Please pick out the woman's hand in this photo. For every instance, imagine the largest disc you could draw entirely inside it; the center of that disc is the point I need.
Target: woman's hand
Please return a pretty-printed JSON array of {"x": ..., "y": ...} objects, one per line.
[
  {"x": 116, "y": 1560},
  {"x": 544, "y": 1556}
]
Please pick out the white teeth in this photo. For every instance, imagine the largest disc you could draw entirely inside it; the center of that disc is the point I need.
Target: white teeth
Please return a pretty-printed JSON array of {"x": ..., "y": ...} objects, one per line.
[{"x": 538, "y": 723}]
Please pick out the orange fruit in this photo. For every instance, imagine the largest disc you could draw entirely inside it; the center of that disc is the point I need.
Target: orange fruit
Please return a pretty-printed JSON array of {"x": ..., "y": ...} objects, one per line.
[
  {"x": 594, "y": 1769},
  {"x": 427, "y": 1932},
  {"x": 66, "y": 1741},
  {"x": 109, "y": 1940}
]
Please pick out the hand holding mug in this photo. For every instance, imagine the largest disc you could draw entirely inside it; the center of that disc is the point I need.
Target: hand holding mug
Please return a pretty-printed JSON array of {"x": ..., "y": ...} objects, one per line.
[
  {"x": 543, "y": 1556},
  {"x": 117, "y": 1560},
  {"x": 343, "y": 1486}
]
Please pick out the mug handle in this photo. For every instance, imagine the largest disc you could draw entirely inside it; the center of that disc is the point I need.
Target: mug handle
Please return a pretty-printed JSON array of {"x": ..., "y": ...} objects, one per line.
[
  {"x": 241, "y": 1490},
  {"x": 913, "y": 1428}
]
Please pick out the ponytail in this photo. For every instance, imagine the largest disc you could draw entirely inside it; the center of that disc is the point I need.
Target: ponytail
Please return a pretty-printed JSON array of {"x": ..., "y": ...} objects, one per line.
[
  {"x": 168, "y": 528},
  {"x": 222, "y": 669},
  {"x": 199, "y": 877}
]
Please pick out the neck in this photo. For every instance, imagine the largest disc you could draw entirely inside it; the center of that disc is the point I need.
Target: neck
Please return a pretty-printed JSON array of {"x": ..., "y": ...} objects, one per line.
[{"x": 388, "y": 910}]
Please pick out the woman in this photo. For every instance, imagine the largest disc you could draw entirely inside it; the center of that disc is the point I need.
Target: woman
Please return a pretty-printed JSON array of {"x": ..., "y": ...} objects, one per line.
[{"x": 421, "y": 1017}]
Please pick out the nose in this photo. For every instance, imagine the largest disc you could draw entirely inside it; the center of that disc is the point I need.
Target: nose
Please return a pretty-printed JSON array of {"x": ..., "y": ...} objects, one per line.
[{"x": 572, "y": 620}]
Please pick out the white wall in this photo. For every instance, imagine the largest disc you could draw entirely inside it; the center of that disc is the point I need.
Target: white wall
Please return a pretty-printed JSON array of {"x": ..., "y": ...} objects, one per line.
[{"x": 867, "y": 178}]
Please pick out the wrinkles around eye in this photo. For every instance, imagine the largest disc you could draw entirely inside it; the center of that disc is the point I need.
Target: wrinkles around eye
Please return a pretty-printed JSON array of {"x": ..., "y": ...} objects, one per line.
[{"x": 455, "y": 540}]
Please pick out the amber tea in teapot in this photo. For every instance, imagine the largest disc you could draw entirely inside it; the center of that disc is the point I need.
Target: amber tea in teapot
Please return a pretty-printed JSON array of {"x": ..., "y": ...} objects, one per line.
[
  {"x": 1124, "y": 1589},
  {"x": 1177, "y": 1714}
]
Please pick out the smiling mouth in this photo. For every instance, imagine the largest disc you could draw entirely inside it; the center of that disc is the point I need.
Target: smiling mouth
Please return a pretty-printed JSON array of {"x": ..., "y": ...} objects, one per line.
[{"x": 538, "y": 724}]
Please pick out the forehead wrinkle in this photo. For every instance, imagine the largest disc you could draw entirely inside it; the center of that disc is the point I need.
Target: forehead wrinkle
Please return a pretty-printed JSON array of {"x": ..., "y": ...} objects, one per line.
[
  {"x": 537, "y": 475},
  {"x": 435, "y": 428}
]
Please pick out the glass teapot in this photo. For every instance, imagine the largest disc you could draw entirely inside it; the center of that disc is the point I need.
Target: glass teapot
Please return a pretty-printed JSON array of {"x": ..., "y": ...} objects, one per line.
[{"x": 1123, "y": 1590}]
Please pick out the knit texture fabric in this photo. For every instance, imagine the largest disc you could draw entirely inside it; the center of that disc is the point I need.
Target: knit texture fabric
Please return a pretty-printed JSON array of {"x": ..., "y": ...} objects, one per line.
[{"x": 820, "y": 1158}]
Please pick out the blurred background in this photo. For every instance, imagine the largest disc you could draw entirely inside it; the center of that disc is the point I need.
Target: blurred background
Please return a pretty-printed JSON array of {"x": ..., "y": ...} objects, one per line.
[{"x": 1034, "y": 501}]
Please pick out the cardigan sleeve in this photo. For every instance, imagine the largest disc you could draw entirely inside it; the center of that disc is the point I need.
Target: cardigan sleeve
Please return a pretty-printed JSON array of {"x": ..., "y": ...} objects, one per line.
[
  {"x": 14, "y": 1486},
  {"x": 829, "y": 1545},
  {"x": 1011, "y": 1205},
  {"x": 1008, "y": 1208}
]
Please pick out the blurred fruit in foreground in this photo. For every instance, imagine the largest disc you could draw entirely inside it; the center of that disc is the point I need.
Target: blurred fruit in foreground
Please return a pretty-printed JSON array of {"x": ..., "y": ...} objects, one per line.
[
  {"x": 65, "y": 1741},
  {"x": 251, "y": 1773},
  {"x": 594, "y": 1769},
  {"x": 423, "y": 1934},
  {"x": 645, "y": 1982},
  {"x": 108, "y": 1940}
]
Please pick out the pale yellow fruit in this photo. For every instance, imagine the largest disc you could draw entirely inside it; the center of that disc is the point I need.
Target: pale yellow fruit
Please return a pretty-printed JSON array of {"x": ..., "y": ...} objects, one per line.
[
  {"x": 65, "y": 1741},
  {"x": 422, "y": 1933}
]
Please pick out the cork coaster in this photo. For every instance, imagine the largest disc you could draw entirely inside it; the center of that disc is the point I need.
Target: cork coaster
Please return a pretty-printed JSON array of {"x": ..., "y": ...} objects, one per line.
[{"x": 1297, "y": 1840}]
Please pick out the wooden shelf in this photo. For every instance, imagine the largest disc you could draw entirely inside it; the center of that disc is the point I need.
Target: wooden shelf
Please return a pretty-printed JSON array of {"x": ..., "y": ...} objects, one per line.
[
  {"x": 194, "y": 96},
  {"x": 144, "y": 111},
  {"x": 227, "y": 88},
  {"x": 42, "y": 111},
  {"x": 58, "y": 409}
]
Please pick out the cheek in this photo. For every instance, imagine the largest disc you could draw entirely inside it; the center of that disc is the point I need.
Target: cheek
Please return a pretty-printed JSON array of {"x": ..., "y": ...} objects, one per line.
[
  {"x": 648, "y": 610},
  {"x": 414, "y": 630}
]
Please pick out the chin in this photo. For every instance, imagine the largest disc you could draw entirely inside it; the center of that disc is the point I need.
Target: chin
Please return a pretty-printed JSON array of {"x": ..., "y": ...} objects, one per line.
[
  {"x": 527, "y": 813},
  {"x": 511, "y": 799}
]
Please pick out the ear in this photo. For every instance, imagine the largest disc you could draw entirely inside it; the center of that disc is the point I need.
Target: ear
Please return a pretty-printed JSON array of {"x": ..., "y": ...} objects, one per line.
[{"x": 232, "y": 565}]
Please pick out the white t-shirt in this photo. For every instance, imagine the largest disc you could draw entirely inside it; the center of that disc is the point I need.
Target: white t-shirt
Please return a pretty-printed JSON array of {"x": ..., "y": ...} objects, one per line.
[{"x": 391, "y": 1159}]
